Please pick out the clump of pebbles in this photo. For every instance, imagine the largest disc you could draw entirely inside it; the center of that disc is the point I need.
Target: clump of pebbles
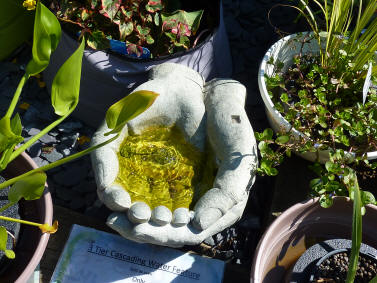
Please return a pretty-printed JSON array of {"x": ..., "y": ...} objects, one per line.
[{"x": 335, "y": 268}]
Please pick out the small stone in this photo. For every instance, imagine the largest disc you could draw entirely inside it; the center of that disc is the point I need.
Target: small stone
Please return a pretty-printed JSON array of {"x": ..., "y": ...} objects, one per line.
[
  {"x": 69, "y": 127},
  {"x": 53, "y": 133},
  {"x": 70, "y": 140},
  {"x": 65, "y": 194},
  {"x": 48, "y": 139},
  {"x": 40, "y": 162},
  {"x": 77, "y": 203},
  {"x": 90, "y": 198},
  {"x": 72, "y": 176},
  {"x": 33, "y": 131},
  {"x": 35, "y": 150},
  {"x": 52, "y": 156},
  {"x": 86, "y": 187}
]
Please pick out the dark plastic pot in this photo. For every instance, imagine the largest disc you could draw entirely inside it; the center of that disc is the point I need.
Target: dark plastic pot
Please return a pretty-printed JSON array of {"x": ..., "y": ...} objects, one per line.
[
  {"x": 107, "y": 77},
  {"x": 301, "y": 226},
  {"x": 32, "y": 243},
  {"x": 307, "y": 266}
]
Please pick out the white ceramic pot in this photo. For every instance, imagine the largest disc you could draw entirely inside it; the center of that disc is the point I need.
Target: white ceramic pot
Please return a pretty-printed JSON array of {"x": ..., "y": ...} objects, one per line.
[{"x": 284, "y": 50}]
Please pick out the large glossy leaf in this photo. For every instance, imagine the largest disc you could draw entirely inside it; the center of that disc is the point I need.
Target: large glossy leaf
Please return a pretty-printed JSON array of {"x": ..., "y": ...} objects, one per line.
[
  {"x": 3, "y": 243},
  {"x": 30, "y": 187},
  {"x": 128, "y": 108},
  {"x": 8, "y": 139},
  {"x": 66, "y": 84},
  {"x": 46, "y": 37}
]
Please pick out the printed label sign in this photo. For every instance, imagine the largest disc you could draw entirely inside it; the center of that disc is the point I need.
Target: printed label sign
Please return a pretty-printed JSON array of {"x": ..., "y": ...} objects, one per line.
[{"x": 95, "y": 256}]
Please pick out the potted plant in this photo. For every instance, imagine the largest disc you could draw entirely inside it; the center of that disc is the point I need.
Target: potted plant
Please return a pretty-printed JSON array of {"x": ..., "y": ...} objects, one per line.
[
  {"x": 26, "y": 180},
  {"x": 317, "y": 91},
  {"x": 147, "y": 33}
]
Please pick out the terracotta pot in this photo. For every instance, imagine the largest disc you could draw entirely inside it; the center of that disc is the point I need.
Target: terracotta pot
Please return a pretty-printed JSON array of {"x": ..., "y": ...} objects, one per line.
[
  {"x": 300, "y": 227},
  {"x": 31, "y": 243}
]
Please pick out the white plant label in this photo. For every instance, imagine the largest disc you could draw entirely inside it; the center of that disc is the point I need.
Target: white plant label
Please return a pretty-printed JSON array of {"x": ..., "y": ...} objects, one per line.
[
  {"x": 97, "y": 257},
  {"x": 367, "y": 83}
]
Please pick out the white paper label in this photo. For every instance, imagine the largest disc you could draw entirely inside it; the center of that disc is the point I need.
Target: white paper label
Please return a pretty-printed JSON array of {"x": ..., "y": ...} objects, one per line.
[
  {"x": 367, "y": 83},
  {"x": 95, "y": 256}
]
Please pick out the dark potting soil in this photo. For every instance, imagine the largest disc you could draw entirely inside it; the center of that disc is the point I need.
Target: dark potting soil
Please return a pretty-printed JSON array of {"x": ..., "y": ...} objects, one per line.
[
  {"x": 334, "y": 269},
  {"x": 12, "y": 227}
]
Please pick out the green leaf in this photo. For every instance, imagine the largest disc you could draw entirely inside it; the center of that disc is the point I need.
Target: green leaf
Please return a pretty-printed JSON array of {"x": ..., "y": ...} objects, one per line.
[
  {"x": 284, "y": 97},
  {"x": 125, "y": 29},
  {"x": 110, "y": 8},
  {"x": 30, "y": 187},
  {"x": 64, "y": 95},
  {"x": 356, "y": 233},
  {"x": 143, "y": 31},
  {"x": 97, "y": 40},
  {"x": 150, "y": 39},
  {"x": 128, "y": 108},
  {"x": 157, "y": 19},
  {"x": 46, "y": 37},
  {"x": 325, "y": 201},
  {"x": 367, "y": 198},
  {"x": 8, "y": 139},
  {"x": 16, "y": 125},
  {"x": 282, "y": 140},
  {"x": 3, "y": 243},
  {"x": 192, "y": 19},
  {"x": 154, "y": 6}
]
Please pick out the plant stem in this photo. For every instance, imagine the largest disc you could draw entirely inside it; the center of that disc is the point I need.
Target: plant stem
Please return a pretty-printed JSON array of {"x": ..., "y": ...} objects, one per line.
[
  {"x": 56, "y": 163},
  {"x": 26, "y": 145},
  {"x": 356, "y": 232},
  {"x": 19, "y": 221},
  {"x": 16, "y": 95}
]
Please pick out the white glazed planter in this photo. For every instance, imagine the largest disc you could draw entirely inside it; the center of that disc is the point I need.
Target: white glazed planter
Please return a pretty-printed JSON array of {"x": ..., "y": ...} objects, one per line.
[{"x": 284, "y": 50}]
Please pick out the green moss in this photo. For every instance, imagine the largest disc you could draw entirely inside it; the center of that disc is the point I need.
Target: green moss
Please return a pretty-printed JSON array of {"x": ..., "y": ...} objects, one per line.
[{"x": 160, "y": 168}]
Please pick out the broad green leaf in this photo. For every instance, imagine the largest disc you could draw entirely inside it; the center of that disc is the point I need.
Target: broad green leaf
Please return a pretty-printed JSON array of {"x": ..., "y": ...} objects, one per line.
[
  {"x": 192, "y": 19},
  {"x": 128, "y": 108},
  {"x": 282, "y": 139},
  {"x": 125, "y": 29},
  {"x": 30, "y": 187},
  {"x": 66, "y": 84},
  {"x": 46, "y": 37},
  {"x": 8, "y": 139},
  {"x": 367, "y": 198},
  {"x": 110, "y": 8},
  {"x": 16, "y": 125},
  {"x": 3, "y": 243},
  {"x": 97, "y": 40},
  {"x": 325, "y": 201}
]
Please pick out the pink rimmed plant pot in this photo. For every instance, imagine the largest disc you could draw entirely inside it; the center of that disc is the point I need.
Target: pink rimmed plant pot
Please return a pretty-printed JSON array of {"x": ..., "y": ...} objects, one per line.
[
  {"x": 301, "y": 226},
  {"x": 31, "y": 243}
]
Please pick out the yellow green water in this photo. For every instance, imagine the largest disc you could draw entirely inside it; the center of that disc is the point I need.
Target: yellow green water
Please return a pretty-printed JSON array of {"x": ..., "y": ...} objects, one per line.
[{"x": 160, "y": 168}]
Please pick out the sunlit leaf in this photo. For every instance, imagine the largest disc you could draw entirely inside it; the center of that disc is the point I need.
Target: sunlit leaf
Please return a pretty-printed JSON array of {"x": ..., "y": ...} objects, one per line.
[
  {"x": 64, "y": 95},
  {"x": 128, "y": 108},
  {"x": 30, "y": 187},
  {"x": 3, "y": 243},
  {"x": 46, "y": 37}
]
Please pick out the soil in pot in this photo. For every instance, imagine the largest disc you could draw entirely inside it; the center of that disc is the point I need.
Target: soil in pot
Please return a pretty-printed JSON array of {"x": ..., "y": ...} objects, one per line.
[{"x": 334, "y": 267}]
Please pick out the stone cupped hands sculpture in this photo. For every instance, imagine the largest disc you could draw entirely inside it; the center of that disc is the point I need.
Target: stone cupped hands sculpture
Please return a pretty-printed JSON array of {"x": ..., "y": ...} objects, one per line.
[{"x": 211, "y": 113}]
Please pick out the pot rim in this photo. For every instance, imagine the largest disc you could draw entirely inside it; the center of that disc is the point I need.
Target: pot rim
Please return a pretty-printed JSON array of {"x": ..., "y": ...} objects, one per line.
[
  {"x": 305, "y": 208},
  {"x": 46, "y": 202},
  {"x": 268, "y": 101}
]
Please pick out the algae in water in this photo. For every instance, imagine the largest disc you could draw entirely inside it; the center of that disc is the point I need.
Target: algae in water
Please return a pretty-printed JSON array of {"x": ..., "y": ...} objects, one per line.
[{"x": 160, "y": 167}]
